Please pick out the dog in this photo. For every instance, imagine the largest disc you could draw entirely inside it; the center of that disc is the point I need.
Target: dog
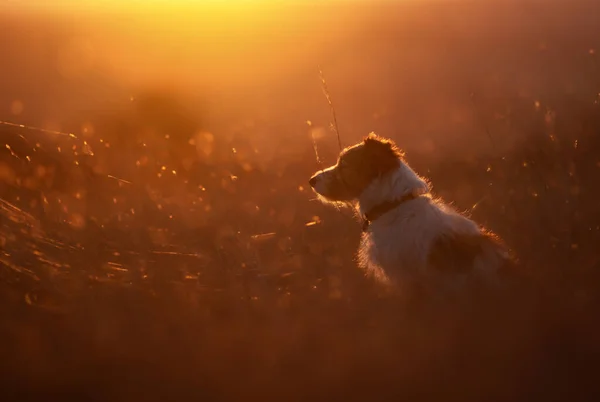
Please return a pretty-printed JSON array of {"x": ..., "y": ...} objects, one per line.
[{"x": 409, "y": 237}]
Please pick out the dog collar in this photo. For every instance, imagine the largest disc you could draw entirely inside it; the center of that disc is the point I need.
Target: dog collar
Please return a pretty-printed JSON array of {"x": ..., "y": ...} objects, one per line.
[{"x": 382, "y": 208}]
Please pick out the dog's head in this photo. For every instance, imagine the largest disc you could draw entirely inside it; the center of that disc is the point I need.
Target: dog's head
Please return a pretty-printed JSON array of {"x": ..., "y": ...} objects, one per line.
[{"x": 356, "y": 168}]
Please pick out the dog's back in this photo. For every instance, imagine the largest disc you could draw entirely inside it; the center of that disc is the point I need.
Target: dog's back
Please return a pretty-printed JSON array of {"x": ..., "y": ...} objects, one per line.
[{"x": 426, "y": 240}]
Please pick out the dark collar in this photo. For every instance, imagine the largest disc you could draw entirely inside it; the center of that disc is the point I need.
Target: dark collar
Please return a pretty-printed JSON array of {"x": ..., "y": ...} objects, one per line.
[{"x": 382, "y": 208}]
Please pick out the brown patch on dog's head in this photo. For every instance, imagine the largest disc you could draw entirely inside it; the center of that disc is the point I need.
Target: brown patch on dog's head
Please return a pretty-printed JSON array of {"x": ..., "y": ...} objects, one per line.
[{"x": 357, "y": 167}]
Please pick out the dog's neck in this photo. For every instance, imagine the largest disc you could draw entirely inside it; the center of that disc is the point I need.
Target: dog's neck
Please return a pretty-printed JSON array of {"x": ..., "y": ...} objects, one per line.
[{"x": 396, "y": 185}]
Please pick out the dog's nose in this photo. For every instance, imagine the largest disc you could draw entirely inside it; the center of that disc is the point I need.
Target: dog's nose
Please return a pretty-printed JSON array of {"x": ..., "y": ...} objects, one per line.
[{"x": 313, "y": 181}]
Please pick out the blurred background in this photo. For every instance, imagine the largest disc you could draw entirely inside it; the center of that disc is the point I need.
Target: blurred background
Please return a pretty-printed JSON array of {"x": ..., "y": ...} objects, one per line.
[{"x": 158, "y": 239}]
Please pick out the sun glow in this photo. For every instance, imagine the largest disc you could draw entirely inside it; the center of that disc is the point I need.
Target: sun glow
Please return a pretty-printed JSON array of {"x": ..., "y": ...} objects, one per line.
[
  {"x": 139, "y": 5},
  {"x": 212, "y": 46},
  {"x": 236, "y": 15}
]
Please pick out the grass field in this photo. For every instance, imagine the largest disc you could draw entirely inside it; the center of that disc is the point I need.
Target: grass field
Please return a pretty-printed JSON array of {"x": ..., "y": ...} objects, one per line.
[{"x": 158, "y": 239}]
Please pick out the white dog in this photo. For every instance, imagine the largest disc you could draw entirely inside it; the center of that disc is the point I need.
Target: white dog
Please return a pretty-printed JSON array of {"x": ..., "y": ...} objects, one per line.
[{"x": 409, "y": 238}]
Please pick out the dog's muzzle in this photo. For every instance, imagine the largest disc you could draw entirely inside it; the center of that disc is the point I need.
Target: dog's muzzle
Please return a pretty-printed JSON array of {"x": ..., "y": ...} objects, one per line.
[{"x": 326, "y": 184}]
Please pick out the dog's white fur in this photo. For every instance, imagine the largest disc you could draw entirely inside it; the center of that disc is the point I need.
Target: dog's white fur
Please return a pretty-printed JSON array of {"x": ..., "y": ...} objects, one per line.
[{"x": 397, "y": 245}]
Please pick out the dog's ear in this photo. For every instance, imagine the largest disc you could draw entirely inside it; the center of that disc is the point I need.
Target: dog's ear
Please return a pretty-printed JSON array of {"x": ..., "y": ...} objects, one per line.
[
  {"x": 382, "y": 153},
  {"x": 374, "y": 141},
  {"x": 372, "y": 137}
]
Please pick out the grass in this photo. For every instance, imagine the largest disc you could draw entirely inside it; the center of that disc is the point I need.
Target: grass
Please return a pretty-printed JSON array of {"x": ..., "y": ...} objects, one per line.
[{"x": 198, "y": 285}]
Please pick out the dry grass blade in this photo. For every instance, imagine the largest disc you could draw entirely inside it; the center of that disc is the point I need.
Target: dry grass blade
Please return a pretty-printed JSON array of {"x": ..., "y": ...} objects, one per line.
[
  {"x": 314, "y": 142},
  {"x": 328, "y": 97}
]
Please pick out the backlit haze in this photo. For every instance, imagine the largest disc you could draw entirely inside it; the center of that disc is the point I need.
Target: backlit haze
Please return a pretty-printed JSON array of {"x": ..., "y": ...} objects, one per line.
[{"x": 386, "y": 62}]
